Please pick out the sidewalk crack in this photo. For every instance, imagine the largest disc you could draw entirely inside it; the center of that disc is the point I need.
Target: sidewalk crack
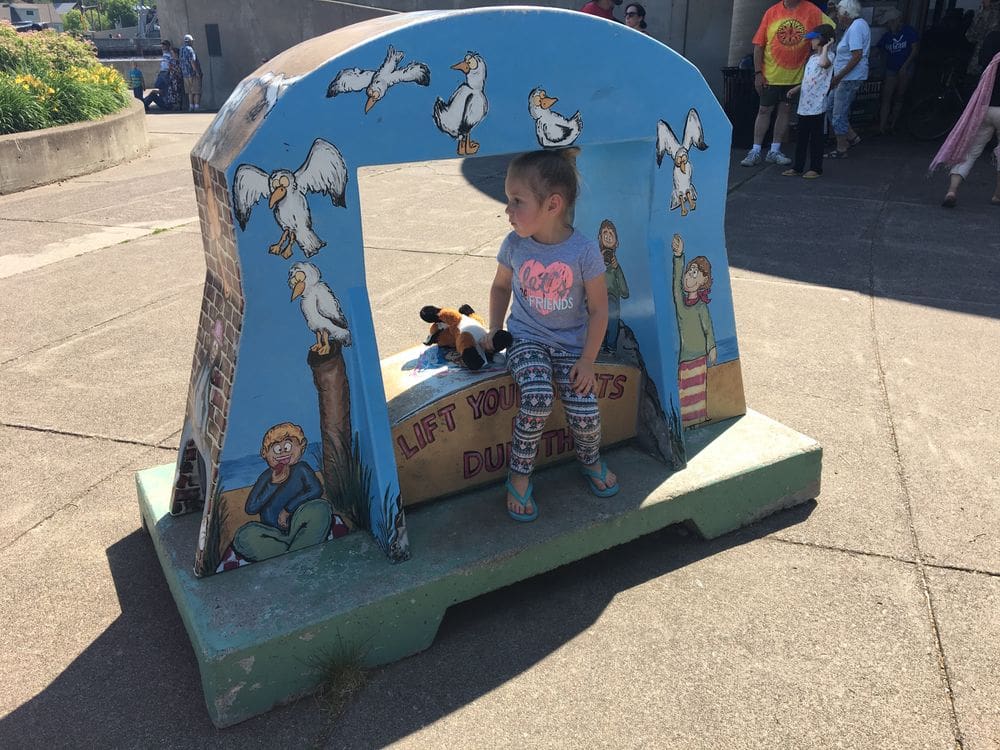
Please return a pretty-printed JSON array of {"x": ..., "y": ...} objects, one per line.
[
  {"x": 70, "y": 503},
  {"x": 88, "y": 329},
  {"x": 83, "y": 435},
  {"x": 918, "y": 561}
]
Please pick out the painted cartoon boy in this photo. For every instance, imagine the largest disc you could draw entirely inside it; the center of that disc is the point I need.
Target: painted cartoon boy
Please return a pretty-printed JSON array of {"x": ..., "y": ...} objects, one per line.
[
  {"x": 692, "y": 285},
  {"x": 288, "y": 498},
  {"x": 615, "y": 279}
]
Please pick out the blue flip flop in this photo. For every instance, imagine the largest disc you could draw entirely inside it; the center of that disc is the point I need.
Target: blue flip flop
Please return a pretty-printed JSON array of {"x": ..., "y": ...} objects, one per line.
[
  {"x": 602, "y": 476},
  {"x": 524, "y": 499}
]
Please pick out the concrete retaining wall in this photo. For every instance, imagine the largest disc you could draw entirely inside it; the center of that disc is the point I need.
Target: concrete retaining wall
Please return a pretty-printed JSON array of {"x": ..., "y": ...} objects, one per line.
[{"x": 39, "y": 157}]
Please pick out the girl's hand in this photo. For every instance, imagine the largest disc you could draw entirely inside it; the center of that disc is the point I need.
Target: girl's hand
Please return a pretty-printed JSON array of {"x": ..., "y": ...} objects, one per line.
[
  {"x": 582, "y": 378},
  {"x": 792, "y": 92},
  {"x": 487, "y": 341}
]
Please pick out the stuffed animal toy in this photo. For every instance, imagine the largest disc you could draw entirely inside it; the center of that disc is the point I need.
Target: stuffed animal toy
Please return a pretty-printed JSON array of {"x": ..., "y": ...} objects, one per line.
[{"x": 462, "y": 329}]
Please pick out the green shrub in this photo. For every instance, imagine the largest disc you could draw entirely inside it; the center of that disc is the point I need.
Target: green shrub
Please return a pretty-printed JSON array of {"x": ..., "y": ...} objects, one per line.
[
  {"x": 86, "y": 94},
  {"x": 20, "y": 109},
  {"x": 47, "y": 78}
]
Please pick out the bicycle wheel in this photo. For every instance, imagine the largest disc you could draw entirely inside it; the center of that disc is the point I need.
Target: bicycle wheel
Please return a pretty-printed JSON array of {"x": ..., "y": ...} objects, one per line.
[{"x": 933, "y": 117}]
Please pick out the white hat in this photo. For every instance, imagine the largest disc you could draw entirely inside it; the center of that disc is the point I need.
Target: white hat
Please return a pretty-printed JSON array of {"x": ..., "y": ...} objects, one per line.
[{"x": 188, "y": 38}]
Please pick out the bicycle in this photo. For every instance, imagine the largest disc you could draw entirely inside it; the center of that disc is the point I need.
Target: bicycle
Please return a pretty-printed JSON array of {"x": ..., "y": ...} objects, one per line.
[{"x": 933, "y": 116}]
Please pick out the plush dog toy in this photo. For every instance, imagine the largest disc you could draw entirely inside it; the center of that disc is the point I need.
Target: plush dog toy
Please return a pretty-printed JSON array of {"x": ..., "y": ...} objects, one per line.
[{"x": 462, "y": 329}]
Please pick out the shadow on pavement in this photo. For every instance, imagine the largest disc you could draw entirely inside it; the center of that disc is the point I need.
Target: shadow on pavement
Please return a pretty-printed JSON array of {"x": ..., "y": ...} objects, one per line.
[
  {"x": 487, "y": 174},
  {"x": 873, "y": 224},
  {"x": 137, "y": 685},
  {"x": 492, "y": 639}
]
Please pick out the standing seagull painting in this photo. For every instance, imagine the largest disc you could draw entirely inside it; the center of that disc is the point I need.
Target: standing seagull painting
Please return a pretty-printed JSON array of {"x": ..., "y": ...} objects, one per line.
[
  {"x": 320, "y": 307},
  {"x": 324, "y": 171},
  {"x": 684, "y": 196},
  {"x": 467, "y": 106},
  {"x": 551, "y": 128},
  {"x": 376, "y": 83}
]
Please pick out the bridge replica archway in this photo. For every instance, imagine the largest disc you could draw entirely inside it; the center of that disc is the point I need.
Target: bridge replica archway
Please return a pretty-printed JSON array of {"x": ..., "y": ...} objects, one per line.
[{"x": 301, "y": 448}]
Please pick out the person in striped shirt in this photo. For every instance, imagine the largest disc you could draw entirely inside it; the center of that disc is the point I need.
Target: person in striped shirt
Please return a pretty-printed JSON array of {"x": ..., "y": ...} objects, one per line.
[{"x": 692, "y": 284}]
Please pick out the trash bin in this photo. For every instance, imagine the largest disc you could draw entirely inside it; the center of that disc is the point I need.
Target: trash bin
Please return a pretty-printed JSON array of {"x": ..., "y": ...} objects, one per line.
[{"x": 740, "y": 102}]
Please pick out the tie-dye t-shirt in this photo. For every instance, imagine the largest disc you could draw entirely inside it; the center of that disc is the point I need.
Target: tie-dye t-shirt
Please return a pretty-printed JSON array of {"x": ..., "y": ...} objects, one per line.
[
  {"x": 549, "y": 305},
  {"x": 782, "y": 34}
]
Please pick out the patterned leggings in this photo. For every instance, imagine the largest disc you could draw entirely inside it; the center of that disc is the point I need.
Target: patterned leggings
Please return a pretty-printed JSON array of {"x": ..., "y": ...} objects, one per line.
[{"x": 534, "y": 366}]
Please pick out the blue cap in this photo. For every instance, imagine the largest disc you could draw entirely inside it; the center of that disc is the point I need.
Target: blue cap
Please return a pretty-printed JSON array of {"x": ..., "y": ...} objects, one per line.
[{"x": 813, "y": 35}]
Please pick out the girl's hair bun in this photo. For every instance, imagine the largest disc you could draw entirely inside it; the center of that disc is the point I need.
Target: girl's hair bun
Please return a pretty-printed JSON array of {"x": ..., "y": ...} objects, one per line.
[{"x": 570, "y": 154}]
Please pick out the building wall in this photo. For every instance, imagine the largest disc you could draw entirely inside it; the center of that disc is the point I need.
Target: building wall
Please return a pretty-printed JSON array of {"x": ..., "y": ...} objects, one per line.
[{"x": 252, "y": 31}]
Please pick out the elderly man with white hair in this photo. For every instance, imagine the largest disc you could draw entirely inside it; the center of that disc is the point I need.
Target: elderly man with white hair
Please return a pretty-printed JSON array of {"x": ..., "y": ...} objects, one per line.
[
  {"x": 850, "y": 69},
  {"x": 899, "y": 45}
]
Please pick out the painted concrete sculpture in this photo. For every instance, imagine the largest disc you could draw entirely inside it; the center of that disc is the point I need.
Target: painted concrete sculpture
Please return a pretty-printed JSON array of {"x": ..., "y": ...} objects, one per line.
[
  {"x": 287, "y": 427},
  {"x": 296, "y": 434}
]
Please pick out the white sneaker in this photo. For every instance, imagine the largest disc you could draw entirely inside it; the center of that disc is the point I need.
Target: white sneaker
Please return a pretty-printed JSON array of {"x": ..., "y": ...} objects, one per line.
[
  {"x": 752, "y": 159},
  {"x": 776, "y": 157}
]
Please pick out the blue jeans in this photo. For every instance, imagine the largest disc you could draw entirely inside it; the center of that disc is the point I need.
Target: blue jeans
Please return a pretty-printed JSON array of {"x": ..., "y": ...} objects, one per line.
[{"x": 843, "y": 98}]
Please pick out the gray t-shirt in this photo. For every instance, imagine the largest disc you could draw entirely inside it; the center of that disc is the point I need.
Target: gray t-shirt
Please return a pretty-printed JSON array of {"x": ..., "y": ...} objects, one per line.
[{"x": 549, "y": 304}]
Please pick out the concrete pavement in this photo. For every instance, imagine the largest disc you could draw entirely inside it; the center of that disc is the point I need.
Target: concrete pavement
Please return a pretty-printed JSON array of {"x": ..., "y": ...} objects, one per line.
[{"x": 868, "y": 320}]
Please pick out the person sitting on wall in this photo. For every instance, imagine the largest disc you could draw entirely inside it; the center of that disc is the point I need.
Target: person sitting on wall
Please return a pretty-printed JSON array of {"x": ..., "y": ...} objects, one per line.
[
  {"x": 602, "y": 8},
  {"x": 163, "y": 94},
  {"x": 288, "y": 497}
]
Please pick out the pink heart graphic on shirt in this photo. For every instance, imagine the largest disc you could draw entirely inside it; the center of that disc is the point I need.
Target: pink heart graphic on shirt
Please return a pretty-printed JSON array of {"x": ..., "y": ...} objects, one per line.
[{"x": 545, "y": 287}]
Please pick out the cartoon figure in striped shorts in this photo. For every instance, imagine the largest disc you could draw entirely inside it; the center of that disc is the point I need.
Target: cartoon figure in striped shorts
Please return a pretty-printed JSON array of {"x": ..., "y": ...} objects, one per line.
[{"x": 692, "y": 284}]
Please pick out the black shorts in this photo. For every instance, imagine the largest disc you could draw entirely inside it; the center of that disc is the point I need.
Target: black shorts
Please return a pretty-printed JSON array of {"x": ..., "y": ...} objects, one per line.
[{"x": 772, "y": 95}]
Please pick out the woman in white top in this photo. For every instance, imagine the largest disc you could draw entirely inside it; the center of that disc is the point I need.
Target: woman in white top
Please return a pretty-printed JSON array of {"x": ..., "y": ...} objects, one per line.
[{"x": 850, "y": 69}]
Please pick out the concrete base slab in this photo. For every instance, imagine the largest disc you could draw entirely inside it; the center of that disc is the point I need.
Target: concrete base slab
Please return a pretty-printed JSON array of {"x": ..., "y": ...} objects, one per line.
[{"x": 268, "y": 633}]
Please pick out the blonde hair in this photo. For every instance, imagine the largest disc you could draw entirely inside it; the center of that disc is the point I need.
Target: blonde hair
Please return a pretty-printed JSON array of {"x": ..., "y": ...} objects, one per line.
[
  {"x": 547, "y": 172},
  {"x": 283, "y": 431}
]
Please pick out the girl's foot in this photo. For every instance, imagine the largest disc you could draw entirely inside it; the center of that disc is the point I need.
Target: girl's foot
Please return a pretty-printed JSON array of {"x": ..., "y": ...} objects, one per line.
[
  {"x": 791, "y": 173},
  {"x": 835, "y": 154},
  {"x": 995, "y": 200},
  {"x": 949, "y": 200},
  {"x": 601, "y": 479},
  {"x": 520, "y": 499},
  {"x": 854, "y": 141},
  {"x": 812, "y": 174}
]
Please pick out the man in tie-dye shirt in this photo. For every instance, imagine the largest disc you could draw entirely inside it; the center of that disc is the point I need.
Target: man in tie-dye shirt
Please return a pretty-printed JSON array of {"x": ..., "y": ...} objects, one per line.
[{"x": 780, "y": 50}]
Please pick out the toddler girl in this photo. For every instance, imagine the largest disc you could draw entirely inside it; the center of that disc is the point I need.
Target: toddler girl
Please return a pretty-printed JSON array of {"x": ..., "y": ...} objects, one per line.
[
  {"x": 812, "y": 94},
  {"x": 558, "y": 319}
]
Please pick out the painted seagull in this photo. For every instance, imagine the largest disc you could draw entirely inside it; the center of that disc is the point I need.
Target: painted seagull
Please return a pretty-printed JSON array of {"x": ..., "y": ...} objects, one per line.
[
  {"x": 324, "y": 171},
  {"x": 376, "y": 83},
  {"x": 320, "y": 307},
  {"x": 685, "y": 195},
  {"x": 467, "y": 106},
  {"x": 551, "y": 128}
]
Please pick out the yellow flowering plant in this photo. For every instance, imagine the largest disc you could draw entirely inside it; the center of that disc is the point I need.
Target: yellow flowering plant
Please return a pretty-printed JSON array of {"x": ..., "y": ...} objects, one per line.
[{"x": 50, "y": 79}]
